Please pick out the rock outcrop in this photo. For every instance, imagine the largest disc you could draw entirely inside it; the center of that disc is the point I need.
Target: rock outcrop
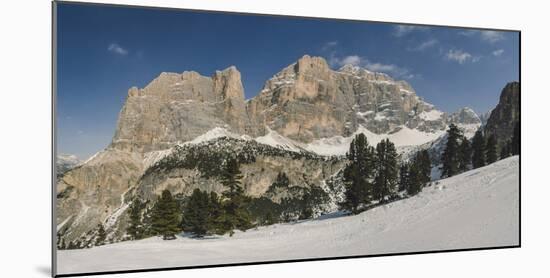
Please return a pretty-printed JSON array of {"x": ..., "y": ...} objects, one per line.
[
  {"x": 179, "y": 107},
  {"x": 307, "y": 100},
  {"x": 506, "y": 114}
]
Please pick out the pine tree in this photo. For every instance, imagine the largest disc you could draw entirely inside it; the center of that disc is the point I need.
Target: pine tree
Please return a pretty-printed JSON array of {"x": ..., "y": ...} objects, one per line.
[
  {"x": 505, "y": 149},
  {"x": 385, "y": 180},
  {"x": 306, "y": 212},
  {"x": 101, "y": 235},
  {"x": 450, "y": 154},
  {"x": 358, "y": 174},
  {"x": 215, "y": 211},
  {"x": 516, "y": 137},
  {"x": 135, "y": 226},
  {"x": 281, "y": 180},
  {"x": 166, "y": 218},
  {"x": 196, "y": 218},
  {"x": 491, "y": 149},
  {"x": 465, "y": 155},
  {"x": 404, "y": 177},
  {"x": 478, "y": 147},
  {"x": 419, "y": 172},
  {"x": 415, "y": 179},
  {"x": 269, "y": 219},
  {"x": 235, "y": 215},
  {"x": 424, "y": 165}
]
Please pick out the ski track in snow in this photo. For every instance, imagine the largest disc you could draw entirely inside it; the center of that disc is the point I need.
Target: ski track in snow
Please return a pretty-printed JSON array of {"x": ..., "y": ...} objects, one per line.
[{"x": 478, "y": 208}]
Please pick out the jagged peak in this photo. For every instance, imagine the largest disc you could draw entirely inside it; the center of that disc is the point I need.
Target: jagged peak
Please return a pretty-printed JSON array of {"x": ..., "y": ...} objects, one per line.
[
  {"x": 307, "y": 63},
  {"x": 353, "y": 69},
  {"x": 467, "y": 109},
  {"x": 229, "y": 69},
  {"x": 466, "y": 115}
]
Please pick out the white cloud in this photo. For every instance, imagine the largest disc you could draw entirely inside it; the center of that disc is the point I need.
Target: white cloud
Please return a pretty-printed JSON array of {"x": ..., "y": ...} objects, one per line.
[
  {"x": 391, "y": 69},
  {"x": 115, "y": 48},
  {"x": 498, "y": 52},
  {"x": 485, "y": 35},
  {"x": 468, "y": 33},
  {"x": 402, "y": 30},
  {"x": 491, "y": 36},
  {"x": 356, "y": 60},
  {"x": 353, "y": 60},
  {"x": 380, "y": 67},
  {"x": 424, "y": 45},
  {"x": 329, "y": 45},
  {"x": 459, "y": 56}
]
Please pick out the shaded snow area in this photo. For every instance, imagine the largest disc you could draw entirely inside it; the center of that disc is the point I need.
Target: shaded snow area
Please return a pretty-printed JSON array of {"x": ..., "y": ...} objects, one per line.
[{"x": 478, "y": 208}]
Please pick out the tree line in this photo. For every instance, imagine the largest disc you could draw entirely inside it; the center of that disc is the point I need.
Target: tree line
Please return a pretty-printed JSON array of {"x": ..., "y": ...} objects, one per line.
[
  {"x": 461, "y": 154},
  {"x": 374, "y": 175},
  {"x": 203, "y": 213}
]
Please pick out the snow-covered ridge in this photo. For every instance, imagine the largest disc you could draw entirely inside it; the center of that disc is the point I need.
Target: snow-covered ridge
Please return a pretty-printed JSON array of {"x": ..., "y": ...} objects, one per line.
[
  {"x": 478, "y": 208},
  {"x": 432, "y": 115},
  {"x": 150, "y": 158},
  {"x": 274, "y": 139},
  {"x": 339, "y": 145},
  {"x": 215, "y": 133},
  {"x": 68, "y": 158}
]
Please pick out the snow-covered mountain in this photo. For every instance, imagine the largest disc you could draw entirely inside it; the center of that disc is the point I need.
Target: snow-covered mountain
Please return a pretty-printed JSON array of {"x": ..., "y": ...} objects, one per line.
[
  {"x": 304, "y": 117},
  {"x": 482, "y": 203}
]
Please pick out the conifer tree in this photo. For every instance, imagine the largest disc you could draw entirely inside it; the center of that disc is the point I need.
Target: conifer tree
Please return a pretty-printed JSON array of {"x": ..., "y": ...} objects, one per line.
[
  {"x": 424, "y": 166},
  {"x": 491, "y": 149},
  {"x": 478, "y": 148},
  {"x": 419, "y": 172},
  {"x": 385, "y": 180},
  {"x": 235, "y": 215},
  {"x": 465, "y": 155},
  {"x": 196, "y": 218},
  {"x": 135, "y": 226},
  {"x": 404, "y": 177},
  {"x": 306, "y": 211},
  {"x": 166, "y": 218},
  {"x": 505, "y": 149},
  {"x": 414, "y": 179},
  {"x": 269, "y": 219},
  {"x": 215, "y": 210},
  {"x": 515, "y": 146},
  {"x": 358, "y": 174},
  {"x": 450, "y": 154},
  {"x": 101, "y": 235},
  {"x": 281, "y": 180}
]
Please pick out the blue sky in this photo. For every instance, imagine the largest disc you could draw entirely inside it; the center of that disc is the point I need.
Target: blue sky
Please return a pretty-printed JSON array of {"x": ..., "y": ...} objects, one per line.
[{"x": 102, "y": 51}]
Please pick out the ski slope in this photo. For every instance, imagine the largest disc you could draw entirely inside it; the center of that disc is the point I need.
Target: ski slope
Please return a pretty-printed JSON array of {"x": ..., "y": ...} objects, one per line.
[{"x": 478, "y": 208}]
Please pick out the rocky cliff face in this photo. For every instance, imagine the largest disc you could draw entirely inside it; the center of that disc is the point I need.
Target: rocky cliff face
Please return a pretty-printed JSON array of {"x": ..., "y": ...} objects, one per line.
[
  {"x": 504, "y": 117},
  {"x": 179, "y": 107},
  {"x": 91, "y": 193},
  {"x": 198, "y": 166},
  {"x": 164, "y": 137},
  {"x": 307, "y": 101}
]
